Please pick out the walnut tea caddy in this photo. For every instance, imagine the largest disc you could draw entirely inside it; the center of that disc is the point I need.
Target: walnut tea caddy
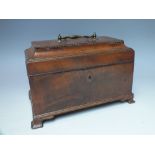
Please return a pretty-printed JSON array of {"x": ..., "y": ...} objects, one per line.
[{"x": 77, "y": 72}]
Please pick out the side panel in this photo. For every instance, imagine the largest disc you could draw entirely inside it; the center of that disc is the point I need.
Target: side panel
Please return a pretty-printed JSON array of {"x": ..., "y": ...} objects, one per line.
[{"x": 53, "y": 92}]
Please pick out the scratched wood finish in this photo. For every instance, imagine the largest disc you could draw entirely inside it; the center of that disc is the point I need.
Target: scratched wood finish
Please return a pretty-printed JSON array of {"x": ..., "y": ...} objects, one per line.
[{"x": 77, "y": 74}]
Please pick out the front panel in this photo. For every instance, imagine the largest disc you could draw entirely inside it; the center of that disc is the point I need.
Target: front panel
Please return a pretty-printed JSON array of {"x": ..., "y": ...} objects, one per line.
[{"x": 53, "y": 92}]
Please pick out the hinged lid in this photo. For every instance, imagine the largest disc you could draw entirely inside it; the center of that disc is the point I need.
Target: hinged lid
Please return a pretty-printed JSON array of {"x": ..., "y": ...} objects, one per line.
[{"x": 75, "y": 53}]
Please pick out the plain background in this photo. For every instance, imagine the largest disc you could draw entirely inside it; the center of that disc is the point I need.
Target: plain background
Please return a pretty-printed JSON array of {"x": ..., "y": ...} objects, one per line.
[{"x": 117, "y": 118}]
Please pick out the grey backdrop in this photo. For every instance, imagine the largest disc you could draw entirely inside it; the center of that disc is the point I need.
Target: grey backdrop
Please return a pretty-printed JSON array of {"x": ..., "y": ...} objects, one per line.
[{"x": 119, "y": 118}]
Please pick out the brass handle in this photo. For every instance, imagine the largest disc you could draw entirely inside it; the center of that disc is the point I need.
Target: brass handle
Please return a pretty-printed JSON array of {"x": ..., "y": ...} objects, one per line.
[{"x": 75, "y": 37}]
